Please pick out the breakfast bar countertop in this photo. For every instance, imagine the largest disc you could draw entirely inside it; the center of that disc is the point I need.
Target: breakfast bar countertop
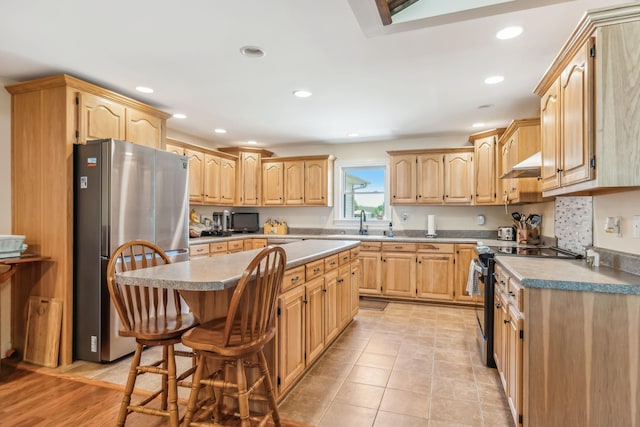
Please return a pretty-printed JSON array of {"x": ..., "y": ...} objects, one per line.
[
  {"x": 570, "y": 275},
  {"x": 224, "y": 271}
]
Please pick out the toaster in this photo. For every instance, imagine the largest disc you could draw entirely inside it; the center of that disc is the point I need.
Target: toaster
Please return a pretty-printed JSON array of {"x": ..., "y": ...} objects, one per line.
[{"x": 507, "y": 233}]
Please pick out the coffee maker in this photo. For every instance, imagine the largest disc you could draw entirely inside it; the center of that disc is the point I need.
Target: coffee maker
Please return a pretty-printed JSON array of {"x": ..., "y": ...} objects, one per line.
[{"x": 221, "y": 223}]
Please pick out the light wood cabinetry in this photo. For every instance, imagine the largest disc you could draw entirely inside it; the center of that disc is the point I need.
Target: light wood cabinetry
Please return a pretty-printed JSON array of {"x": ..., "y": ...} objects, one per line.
[
  {"x": 100, "y": 117},
  {"x": 46, "y": 121},
  {"x": 356, "y": 277},
  {"x": 431, "y": 176},
  {"x": 318, "y": 181},
  {"x": 520, "y": 140},
  {"x": 464, "y": 253},
  {"x": 314, "y": 327},
  {"x": 331, "y": 306},
  {"x": 297, "y": 181},
  {"x": 294, "y": 182},
  {"x": 399, "y": 269},
  {"x": 487, "y": 170},
  {"x": 429, "y": 183},
  {"x": 588, "y": 98},
  {"x": 254, "y": 244},
  {"x": 344, "y": 295},
  {"x": 371, "y": 262},
  {"x": 212, "y": 174},
  {"x": 291, "y": 337},
  {"x": 508, "y": 339},
  {"x": 434, "y": 271},
  {"x": 248, "y": 191}
]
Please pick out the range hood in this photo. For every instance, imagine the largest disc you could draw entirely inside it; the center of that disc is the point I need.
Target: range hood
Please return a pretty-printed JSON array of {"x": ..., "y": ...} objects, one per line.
[{"x": 528, "y": 168}]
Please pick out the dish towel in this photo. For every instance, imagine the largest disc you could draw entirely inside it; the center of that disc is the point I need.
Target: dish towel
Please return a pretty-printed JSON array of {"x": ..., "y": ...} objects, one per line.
[{"x": 472, "y": 281}]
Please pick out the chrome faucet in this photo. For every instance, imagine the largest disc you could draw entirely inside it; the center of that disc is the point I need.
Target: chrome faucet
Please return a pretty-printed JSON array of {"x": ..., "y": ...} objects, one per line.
[{"x": 363, "y": 218}]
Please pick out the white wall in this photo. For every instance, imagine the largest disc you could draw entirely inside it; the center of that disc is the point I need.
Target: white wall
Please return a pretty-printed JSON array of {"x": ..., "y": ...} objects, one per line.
[
  {"x": 5, "y": 208},
  {"x": 624, "y": 204}
]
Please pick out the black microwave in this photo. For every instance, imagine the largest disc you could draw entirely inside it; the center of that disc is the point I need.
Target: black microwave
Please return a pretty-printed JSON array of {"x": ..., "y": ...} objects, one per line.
[{"x": 245, "y": 222}]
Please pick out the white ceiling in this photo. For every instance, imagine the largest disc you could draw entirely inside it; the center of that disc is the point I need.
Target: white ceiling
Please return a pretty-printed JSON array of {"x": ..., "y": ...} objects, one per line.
[{"x": 404, "y": 82}]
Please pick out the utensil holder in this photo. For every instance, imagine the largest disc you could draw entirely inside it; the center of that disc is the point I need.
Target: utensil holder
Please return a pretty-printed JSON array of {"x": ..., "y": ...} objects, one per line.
[{"x": 526, "y": 236}]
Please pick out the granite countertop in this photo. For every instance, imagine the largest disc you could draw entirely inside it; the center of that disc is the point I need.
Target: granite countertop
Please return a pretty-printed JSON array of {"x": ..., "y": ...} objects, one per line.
[
  {"x": 363, "y": 238},
  {"x": 574, "y": 275},
  {"x": 224, "y": 271}
]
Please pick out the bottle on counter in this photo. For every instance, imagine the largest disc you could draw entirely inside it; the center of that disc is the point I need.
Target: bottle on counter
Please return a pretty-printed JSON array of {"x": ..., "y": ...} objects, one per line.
[{"x": 390, "y": 233}]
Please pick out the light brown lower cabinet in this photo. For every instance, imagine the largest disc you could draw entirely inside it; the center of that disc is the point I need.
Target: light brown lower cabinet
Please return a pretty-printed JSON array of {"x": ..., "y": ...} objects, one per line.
[
  {"x": 424, "y": 271},
  {"x": 355, "y": 286},
  {"x": 315, "y": 307}
]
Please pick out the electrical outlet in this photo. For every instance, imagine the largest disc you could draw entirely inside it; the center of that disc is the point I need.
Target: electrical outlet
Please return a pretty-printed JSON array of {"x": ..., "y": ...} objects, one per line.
[
  {"x": 612, "y": 225},
  {"x": 404, "y": 216},
  {"x": 635, "y": 226}
]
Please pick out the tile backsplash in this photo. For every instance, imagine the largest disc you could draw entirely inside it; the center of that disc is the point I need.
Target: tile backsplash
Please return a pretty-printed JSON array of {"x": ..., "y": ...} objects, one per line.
[{"x": 574, "y": 223}]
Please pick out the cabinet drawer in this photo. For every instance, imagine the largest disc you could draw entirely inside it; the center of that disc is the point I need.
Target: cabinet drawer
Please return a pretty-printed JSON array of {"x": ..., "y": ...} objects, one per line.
[
  {"x": 501, "y": 278},
  {"x": 441, "y": 248},
  {"x": 344, "y": 257},
  {"x": 199, "y": 250},
  {"x": 331, "y": 262},
  {"x": 370, "y": 246},
  {"x": 354, "y": 253},
  {"x": 293, "y": 278},
  {"x": 217, "y": 248},
  {"x": 399, "y": 247},
  {"x": 515, "y": 293},
  {"x": 314, "y": 269},
  {"x": 236, "y": 246}
]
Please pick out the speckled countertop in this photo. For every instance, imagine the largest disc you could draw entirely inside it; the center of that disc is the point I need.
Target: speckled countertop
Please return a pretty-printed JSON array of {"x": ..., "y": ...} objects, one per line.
[
  {"x": 224, "y": 271},
  {"x": 365, "y": 238},
  {"x": 572, "y": 275}
]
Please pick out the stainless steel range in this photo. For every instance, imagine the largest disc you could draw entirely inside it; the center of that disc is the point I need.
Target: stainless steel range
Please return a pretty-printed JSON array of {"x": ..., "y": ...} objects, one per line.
[{"x": 484, "y": 268}]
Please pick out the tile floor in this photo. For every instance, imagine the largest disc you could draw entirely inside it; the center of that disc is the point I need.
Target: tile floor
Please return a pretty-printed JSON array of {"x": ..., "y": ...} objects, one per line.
[{"x": 409, "y": 365}]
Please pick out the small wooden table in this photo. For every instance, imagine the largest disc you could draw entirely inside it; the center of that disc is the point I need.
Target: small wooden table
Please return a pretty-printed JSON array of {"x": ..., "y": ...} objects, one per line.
[{"x": 15, "y": 263}]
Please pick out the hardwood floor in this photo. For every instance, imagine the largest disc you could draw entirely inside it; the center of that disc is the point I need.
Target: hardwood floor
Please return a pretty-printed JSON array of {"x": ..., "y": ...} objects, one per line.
[{"x": 29, "y": 398}]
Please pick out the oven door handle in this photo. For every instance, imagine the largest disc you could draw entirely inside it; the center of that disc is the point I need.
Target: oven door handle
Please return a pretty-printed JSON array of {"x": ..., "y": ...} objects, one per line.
[{"x": 479, "y": 268}]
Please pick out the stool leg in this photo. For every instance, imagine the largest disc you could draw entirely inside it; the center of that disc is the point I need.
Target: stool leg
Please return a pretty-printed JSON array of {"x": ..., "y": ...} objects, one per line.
[
  {"x": 128, "y": 389},
  {"x": 164, "y": 377},
  {"x": 172, "y": 385},
  {"x": 195, "y": 388},
  {"x": 243, "y": 394},
  {"x": 268, "y": 385}
]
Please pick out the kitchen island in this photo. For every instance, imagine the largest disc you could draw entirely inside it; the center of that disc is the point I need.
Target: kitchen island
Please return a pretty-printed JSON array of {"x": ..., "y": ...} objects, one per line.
[
  {"x": 318, "y": 299},
  {"x": 566, "y": 342}
]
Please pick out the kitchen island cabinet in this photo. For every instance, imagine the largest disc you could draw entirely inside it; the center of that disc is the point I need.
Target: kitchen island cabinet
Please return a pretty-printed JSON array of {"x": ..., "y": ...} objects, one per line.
[
  {"x": 310, "y": 310},
  {"x": 577, "y": 327}
]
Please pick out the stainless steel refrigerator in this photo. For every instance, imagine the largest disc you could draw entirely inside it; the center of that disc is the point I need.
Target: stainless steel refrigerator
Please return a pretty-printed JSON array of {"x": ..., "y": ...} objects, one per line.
[{"x": 122, "y": 192}]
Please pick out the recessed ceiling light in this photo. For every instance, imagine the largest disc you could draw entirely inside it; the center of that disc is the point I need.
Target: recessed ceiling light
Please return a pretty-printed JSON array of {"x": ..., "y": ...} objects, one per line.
[
  {"x": 509, "y": 32},
  {"x": 493, "y": 80},
  {"x": 478, "y": 125},
  {"x": 353, "y": 134},
  {"x": 252, "y": 51},
  {"x": 180, "y": 116},
  {"x": 144, "y": 89},
  {"x": 251, "y": 142},
  {"x": 220, "y": 130},
  {"x": 302, "y": 93}
]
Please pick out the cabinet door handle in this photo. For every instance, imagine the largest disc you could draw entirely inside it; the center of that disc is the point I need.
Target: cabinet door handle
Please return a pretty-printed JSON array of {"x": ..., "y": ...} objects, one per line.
[
  {"x": 512, "y": 294},
  {"x": 506, "y": 321},
  {"x": 497, "y": 305},
  {"x": 558, "y": 170}
]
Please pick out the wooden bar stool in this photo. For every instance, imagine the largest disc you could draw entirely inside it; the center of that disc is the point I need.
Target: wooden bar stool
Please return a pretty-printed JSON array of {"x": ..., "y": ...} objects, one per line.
[
  {"x": 154, "y": 318},
  {"x": 235, "y": 342}
]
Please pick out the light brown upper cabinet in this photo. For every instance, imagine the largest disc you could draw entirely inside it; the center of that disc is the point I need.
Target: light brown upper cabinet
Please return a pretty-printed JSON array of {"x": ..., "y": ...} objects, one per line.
[
  {"x": 49, "y": 116},
  {"x": 488, "y": 185},
  {"x": 100, "y": 117},
  {"x": 458, "y": 178},
  {"x": 431, "y": 176},
  {"x": 318, "y": 181},
  {"x": 212, "y": 174},
  {"x": 589, "y": 105},
  {"x": 520, "y": 140},
  {"x": 297, "y": 181},
  {"x": 248, "y": 174}
]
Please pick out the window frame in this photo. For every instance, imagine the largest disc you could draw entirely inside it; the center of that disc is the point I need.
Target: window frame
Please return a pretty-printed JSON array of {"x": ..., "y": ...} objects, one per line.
[{"x": 340, "y": 166}]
